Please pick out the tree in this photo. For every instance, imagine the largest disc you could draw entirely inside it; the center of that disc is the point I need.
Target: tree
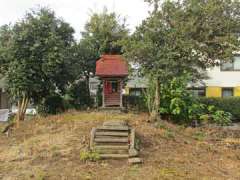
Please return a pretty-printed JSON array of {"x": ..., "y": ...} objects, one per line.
[
  {"x": 183, "y": 36},
  {"x": 38, "y": 63},
  {"x": 102, "y": 35},
  {"x": 5, "y": 35}
]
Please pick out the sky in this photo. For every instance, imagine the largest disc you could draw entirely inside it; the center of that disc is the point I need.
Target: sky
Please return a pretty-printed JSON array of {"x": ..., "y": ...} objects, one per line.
[{"x": 75, "y": 12}]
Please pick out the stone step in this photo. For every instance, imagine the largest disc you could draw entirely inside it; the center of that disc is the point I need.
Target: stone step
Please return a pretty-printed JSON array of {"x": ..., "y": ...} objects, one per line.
[
  {"x": 112, "y": 151},
  {"x": 116, "y": 128},
  {"x": 114, "y": 156},
  {"x": 111, "y": 140},
  {"x": 110, "y": 144},
  {"x": 112, "y": 147},
  {"x": 111, "y": 134},
  {"x": 115, "y": 123}
]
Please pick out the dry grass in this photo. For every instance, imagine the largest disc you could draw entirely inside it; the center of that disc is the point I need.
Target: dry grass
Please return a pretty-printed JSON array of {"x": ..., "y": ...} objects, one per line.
[{"x": 49, "y": 148}]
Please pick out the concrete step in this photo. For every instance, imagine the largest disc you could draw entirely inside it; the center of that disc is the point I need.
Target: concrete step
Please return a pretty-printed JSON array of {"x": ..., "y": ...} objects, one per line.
[
  {"x": 125, "y": 147},
  {"x": 104, "y": 133},
  {"x": 115, "y": 128},
  {"x": 112, "y": 151},
  {"x": 111, "y": 140},
  {"x": 114, "y": 156}
]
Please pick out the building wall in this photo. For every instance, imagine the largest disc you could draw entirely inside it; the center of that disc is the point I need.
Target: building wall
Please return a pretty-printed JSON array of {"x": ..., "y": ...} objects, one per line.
[
  {"x": 213, "y": 91},
  {"x": 222, "y": 79}
]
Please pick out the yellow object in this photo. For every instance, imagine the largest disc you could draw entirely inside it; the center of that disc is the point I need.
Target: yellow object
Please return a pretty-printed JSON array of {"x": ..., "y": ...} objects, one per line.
[
  {"x": 214, "y": 91},
  {"x": 127, "y": 90},
  {"x": 237, "y": 91}
]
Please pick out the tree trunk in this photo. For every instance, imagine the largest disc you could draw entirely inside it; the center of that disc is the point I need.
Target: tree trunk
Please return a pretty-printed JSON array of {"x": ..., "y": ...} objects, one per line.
[
  {"x": 22, "y": 107},
  {"x": 155, "y": 112}
]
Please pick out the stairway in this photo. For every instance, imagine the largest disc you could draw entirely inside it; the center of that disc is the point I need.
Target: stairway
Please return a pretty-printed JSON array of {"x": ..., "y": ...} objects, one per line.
[
  {"x": 115, "y": 139},
  {"x": 112, "y": 99}
]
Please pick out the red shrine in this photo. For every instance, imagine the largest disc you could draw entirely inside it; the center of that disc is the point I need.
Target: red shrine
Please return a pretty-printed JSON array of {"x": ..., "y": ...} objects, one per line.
[{"x": 112, "y": 70}]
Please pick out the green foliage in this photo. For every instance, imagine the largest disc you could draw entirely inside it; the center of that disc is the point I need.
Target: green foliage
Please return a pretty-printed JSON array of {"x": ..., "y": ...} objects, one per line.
[
  {"x": 212, "y": 114},
  {"x": 38, "y": 63},
  {"x": 102, "y": 35},
  {"x": 222, "y": 118},
  {"x": 177, "y": 101},
  {"x": 183, "y": 36},
  {"x": 205, "y": 118},
  {"x": 51, "y": 104},
  {"x": 89, "y": 156},
  {"x": 228, "y": 104},
  {"x": 5, "y": 36},
  {"x": 104, "y": 31},
  {"x": 78, "y": 96},
  {"x": 133, "y": 102}
]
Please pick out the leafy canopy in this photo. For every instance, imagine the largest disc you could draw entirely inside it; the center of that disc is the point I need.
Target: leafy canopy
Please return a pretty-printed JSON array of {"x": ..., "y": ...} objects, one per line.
[
  {"x": 102, "y": 35},
  {"x": 38, "y": 61},
  {"x": 186, "y": 35}
]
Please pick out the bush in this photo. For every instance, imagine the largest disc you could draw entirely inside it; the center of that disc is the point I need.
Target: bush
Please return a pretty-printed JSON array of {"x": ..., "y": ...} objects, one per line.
[
  {"x": 177, "y": 102},
  {"x": 222, "y": 118},
  {"x": 134, "y": 102},
  {"x": 51, "y": 104},
  {"x": 78, "y": 96},
  {"x": 230, "y": 104},
  {"x": 182, "y": 107}
]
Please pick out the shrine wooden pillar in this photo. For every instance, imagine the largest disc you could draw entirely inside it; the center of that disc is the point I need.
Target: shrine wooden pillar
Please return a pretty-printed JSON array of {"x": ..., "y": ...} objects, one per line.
[
  {"x": 121, "y": 85},
  {"x": 103, "y": 93}
]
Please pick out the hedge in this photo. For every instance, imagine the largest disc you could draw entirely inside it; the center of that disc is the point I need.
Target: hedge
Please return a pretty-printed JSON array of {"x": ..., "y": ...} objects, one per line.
[
  {"x": 228, "y": 104},
  {"x": 132, "y": 102}
]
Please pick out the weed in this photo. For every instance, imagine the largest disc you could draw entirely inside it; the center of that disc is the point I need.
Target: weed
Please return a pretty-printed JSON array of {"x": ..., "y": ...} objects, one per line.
[
  {"x": 40, "y": 175},
  {"x": 210, "y": 148},
  {"x": 199, "y": 135},
  {"x": 160, "y": 125},
  {"x": 133, "y": 170},
  {"x": 137, "y": 143},
  {"x": 89, "y": 156},
  {"x": 166, "y": 172},
  {"x": 169, "y": 134}
]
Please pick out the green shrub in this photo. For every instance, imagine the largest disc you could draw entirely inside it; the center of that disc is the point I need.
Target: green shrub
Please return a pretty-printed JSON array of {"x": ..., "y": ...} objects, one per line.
[
  {"x": 89, "y": 156},
  {"x": 177, "y": 101},
  {"x": 229, "y": 104},
  {"x": 214, "y": 115},
  {"x": 78, "y": 95},
  {"x": 51, "y": 104},
  {"x": 222, "y": 118},
  {"x": 133, "y": 102}
]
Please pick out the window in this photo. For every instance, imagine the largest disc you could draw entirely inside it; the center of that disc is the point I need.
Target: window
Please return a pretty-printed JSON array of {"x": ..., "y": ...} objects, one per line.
[
  {"x": 233, "y": 65},
  {"x": 236, "y": 63},
  {"x": 227, "y": 92},
  {"x": 135, "y": 92},
  {"x": 198, "y": 92}
]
